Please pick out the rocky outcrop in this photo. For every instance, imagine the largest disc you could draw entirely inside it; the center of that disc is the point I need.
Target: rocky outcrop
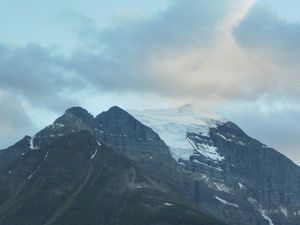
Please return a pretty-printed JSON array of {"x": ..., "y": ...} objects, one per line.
[
  {"x": 15, "y": 151},
  {"x": 121, "y": 131},
  {"x": 73, "y": 120}
]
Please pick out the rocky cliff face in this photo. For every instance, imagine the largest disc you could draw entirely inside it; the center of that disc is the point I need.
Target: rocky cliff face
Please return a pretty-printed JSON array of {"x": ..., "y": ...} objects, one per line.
[
  {"x": 78, "y": 180},
  {"x": 264, "y": 179},
  {"x": 130, "y": 137},
  {"x": 237, "y": 178},
  {"x": 73, "y": 120},
  {"x": 203, "y": 158}
]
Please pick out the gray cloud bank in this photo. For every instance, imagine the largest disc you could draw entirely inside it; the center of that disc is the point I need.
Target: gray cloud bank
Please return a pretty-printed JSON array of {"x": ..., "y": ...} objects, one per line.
[
  {"x": 271, "y": 32},
  {"x": 34, "y": 73},
  {"x": 187, "y": 44},
  {"x": 213, "y": 51}
]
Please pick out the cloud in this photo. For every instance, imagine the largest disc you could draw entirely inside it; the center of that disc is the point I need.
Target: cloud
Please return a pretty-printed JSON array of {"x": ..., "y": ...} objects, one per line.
[
  {"x": 190, "y": 51},
  {"x": 36, "y": 75},
  {"x": 184, "y": 23},
  {"x": 170, "y": 53},
  {"x": 195, "y": 50},
  {"x": 14, "y": 120},
  {"x": 263, "y": 29},
  {"x": 274, "y": 42},
  {"x": 186, "y": 51}
]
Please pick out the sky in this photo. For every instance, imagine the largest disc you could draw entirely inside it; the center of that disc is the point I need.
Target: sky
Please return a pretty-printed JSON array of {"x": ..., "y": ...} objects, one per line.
[{"x": 239, "y": 58}]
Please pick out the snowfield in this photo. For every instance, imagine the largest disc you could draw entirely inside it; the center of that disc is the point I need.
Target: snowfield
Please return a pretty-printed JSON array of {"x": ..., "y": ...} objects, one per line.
[{"x": 173, "y": 124}]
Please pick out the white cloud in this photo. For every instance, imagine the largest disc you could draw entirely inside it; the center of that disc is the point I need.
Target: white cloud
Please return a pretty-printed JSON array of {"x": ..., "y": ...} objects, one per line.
[{"x": 14, "y": 119}]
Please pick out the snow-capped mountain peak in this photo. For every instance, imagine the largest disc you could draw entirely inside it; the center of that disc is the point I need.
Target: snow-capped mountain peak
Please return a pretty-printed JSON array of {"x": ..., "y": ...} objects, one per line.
[{"x": 174, "y": 124}]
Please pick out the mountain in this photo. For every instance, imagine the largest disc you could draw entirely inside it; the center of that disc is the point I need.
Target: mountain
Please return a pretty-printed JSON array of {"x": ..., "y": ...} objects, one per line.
[
  {"x": 15, "y": 151},
  {"x": 74, "y": 119},
  {"x": 171, "y": 166},
  {"x": 250, "y": 182},
  {"x": 72, "y": 177}
]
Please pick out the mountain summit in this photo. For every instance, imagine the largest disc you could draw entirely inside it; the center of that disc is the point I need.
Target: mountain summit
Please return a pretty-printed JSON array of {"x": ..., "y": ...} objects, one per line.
[{"x": 156, "y": 167}]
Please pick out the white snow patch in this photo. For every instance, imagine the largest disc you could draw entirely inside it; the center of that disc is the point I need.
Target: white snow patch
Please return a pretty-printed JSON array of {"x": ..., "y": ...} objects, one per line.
[
  {"x": 204, "y": 164},
  {"x": 55, "y": 135},
  {"x": 225, "y": 138},
  {"x": 31, "y": 143},
  {"x": 181, "y": 153},
  {"x": 252, "y": 201},
  {"x": 204, "y": 178},
  {"x": 46, "y": 156},
  {"x": 241, "y": 143},
  {"x": 59, "y": 125},
  {"x": 172, "y": 125},
  {"x": 284, "y": 211},
  {"x": 206, "y": 150},
  {"x": 227, "y": 203},
  {"x": 242, "y": 186},
  {"x": 296, "y": 213},
  {"x": 110, "y": 134},
  {"x": 260, "y": 210},
  {"x": 34, "y": 172},
  {"x": 168, "y": 204},
  {"x": 221, "y": 187},
  {"x": 215, "y": 185},
  {"x": 98, "y": 143},
  {"x": 232, "y": 140},
  {"x": 94, "y": 154},
  {"x": 101, "y": 131},
  {"x": 265, "y": 216}
]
